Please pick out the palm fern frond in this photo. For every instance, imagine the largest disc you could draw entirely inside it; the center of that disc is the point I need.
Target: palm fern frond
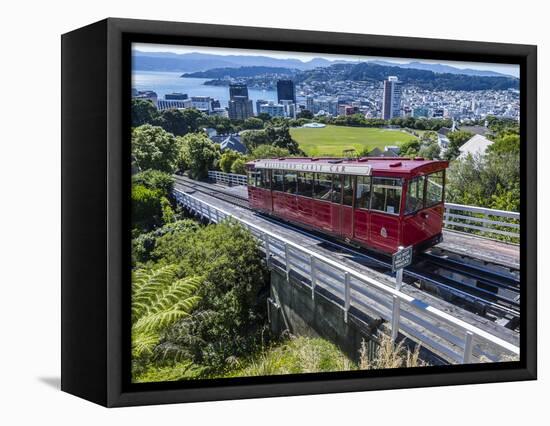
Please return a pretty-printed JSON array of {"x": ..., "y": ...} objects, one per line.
[{"x": 158, "y": 301}]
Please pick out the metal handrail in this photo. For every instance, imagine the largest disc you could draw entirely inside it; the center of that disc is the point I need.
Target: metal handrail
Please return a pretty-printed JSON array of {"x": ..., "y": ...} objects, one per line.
[
  {"x": 230, "y": 178},
  {"x": 482, "y": 219},
  {"x": 338, "y": 277},
  {"x": 466, "y": 218}
]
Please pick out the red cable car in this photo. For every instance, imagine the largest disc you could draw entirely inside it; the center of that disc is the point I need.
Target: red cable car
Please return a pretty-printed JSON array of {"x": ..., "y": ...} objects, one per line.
[{"x": 379, "y": 203}]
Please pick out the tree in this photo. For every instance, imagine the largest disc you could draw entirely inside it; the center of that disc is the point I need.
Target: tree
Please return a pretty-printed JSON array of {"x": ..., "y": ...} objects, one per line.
[
  {"x": 491, "y": 180},
  {"x": 156, "y": 180},
  {"x": 264, "y": 116},
  {"x": 253, "y": 138},
  {"x": 506, "y": 143},
  {"x": 146, "y": 208},
  {"x": 253, "y": 123},
  {"x": 238, "y": 166},
  {"x": 154, "y": 148},
  {"x": 199, "y": 154},
  {"x": 305, "y": 114},
  {"x": 280, "y": 137},
  {"x": 173, "y": 121},
  {"x": 269, "y": 151},
  {"x": 227, "y": 159},
  {"x": 430, "y": 150},
  {"x": 456, "y": 140},
  {"x": 143, "y": 112},
  {"x": 410, "y": 148}
]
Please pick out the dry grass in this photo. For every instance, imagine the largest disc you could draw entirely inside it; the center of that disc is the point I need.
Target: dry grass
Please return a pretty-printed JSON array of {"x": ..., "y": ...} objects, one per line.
[{"x": 389, "y": 355}]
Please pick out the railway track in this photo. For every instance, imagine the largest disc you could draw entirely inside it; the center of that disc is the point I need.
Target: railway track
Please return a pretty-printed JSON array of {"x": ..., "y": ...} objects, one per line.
[{"x": 493, "y": 294}]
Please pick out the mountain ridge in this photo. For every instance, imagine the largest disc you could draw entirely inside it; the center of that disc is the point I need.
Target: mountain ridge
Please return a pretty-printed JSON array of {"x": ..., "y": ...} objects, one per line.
[{"x": 196, "y": 61}]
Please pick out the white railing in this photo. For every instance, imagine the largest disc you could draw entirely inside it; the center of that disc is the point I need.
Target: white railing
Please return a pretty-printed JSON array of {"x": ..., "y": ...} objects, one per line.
[
  {"x": 227, "y": 178},
  {"x": 455, "y": 339},
  {"x": 489, "y": 222}
]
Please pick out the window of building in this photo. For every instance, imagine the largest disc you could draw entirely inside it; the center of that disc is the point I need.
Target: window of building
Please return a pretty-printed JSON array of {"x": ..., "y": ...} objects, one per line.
[
  {"x": 362, "y": 194},
  {"x": 415, "y": 195},
  {"x": 290, "y": 182},
  {"x": 277, "y": 184},
  {"x": 348, "y": 190},
  {"x": 434, "y": 188},
  {"x": 386, "y": 195},
  {"x": 305, "y": 184},
  {"x": 322, "y": 186}
]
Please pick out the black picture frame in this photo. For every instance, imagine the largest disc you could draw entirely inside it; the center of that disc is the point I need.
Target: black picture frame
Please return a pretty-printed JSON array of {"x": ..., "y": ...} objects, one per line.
[{"x": 95, "y": 208}]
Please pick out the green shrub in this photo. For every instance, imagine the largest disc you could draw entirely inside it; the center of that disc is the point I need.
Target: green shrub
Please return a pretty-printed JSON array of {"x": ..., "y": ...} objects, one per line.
[
  {"x": 146, "y": 208},
  {"x": 156, "y": 180},
  {"x": 232, "y": 311},
  {"x": 227, "y": 160},
  {"x": 239, "y": 167}
]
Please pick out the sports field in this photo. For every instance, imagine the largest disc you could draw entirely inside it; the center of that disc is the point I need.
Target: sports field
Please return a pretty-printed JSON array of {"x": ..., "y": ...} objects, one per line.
[{"x": 333, "y": 140}]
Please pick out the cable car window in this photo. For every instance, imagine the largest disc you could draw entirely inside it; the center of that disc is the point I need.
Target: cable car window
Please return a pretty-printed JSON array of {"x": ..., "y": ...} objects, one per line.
[
  {"x": 322, "y": 186},
  {"x": 305, "y": 184},
  {"x": 266, "y": 179},
  {"x": 434, "y": 188},
  {"x": 260, "y": 179},
  {"x": 277, "y": 180},
  {"x": 290, "y": 183},
  {"x": 415, "y": 195},
  {"x": 252, "y": 177},
  {"x": 337, "y": 189},
  {"x": 386, "y": 195},
  {"x": 362, "y": 193},
  {"x": 348, "y": 190}
]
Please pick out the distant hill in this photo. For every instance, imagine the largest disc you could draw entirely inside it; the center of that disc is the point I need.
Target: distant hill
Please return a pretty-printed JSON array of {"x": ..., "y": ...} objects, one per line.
[
  {"x": 194, "y": 62},
  {"x": 240, "y": 72},
  {"x": 424, "y": 79},
  {"x": 443, "y": 69}
]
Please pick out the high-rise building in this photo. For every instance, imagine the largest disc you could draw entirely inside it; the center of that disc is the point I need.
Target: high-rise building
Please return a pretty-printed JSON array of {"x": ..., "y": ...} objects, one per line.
[
  {"x": 240, "y": 108},
  {"x": 391, "y": 102},
  {"x": 309, "y": 103},
  {"x": 286, "y": 91},
  {"x": 238, "y": 89}
]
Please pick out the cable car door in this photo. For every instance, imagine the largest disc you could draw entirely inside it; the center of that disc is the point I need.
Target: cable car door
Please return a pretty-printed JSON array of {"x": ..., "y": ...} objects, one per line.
[{"x": 342, "y": 205}]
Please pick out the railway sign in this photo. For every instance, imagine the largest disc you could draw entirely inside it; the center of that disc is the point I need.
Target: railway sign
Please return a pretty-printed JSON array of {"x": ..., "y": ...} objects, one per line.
[{"x": 402, "y": 258}]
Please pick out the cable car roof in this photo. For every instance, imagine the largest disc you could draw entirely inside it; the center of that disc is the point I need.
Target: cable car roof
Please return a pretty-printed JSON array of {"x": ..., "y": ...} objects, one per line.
[{"x": 364, "y": 166}]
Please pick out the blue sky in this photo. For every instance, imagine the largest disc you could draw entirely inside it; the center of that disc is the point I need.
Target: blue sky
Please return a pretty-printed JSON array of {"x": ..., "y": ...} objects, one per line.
[{"x": 509, "y": 69}]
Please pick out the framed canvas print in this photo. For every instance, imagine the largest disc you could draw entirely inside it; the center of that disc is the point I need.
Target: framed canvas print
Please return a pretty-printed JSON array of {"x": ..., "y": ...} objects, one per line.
[{"x": 252, "y": 212}]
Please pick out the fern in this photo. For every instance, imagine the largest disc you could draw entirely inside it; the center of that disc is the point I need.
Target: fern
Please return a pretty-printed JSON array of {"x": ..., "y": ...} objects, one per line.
[{"x": 159, "y": 300}]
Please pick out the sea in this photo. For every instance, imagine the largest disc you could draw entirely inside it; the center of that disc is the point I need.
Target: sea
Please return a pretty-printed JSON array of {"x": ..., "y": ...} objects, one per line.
[{"x": 168, "y": 82}]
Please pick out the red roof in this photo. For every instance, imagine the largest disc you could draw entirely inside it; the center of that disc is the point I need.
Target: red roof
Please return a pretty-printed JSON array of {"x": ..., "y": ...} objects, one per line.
[{"x": 379, "y": 165}]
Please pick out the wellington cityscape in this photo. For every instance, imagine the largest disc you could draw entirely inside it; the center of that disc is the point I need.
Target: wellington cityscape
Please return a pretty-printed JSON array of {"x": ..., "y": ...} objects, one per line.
[
  {"x": 297, "y": 213},
  {"x": 325, "y": 92}
]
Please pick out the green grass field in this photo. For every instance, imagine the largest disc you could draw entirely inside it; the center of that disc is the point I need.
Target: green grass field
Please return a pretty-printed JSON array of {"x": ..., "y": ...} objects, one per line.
[{"x": 333, "y": 140}]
